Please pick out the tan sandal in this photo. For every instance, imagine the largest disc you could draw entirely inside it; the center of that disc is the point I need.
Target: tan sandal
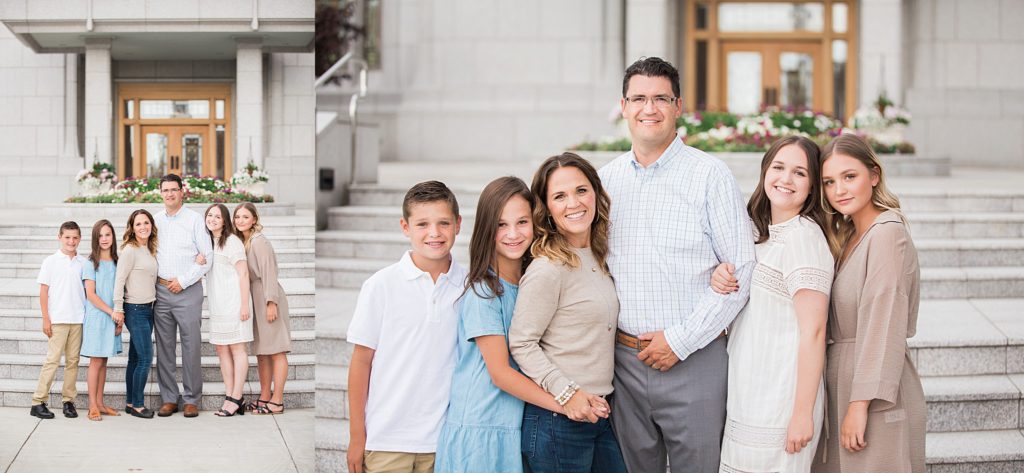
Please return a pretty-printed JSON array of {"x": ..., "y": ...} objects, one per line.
[
  {"x": 109, "y": 411},
  {"x": 94, "y": 414}
]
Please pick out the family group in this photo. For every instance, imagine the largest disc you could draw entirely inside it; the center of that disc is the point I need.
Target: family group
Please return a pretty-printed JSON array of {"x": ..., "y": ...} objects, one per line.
[
  {"x": 640, "y": 317},
  {"x": 151, "y": 283}
]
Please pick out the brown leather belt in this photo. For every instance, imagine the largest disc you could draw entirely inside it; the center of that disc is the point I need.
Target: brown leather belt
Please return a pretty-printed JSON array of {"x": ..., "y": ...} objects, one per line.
[
  {"x": 623, "y": 338},
  {"x": 163, "y": 282}
]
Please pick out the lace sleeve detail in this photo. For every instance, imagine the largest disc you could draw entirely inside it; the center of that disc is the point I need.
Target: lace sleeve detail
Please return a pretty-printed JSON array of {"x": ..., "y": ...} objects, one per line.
[{"x": 815, "y": 279}]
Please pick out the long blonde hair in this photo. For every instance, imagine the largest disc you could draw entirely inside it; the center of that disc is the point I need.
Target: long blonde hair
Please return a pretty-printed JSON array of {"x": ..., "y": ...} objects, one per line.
[
  {"x": 838, "y": 227},
  {"x": 256, "y": 227},
  {"x": 547, "y": 241}
]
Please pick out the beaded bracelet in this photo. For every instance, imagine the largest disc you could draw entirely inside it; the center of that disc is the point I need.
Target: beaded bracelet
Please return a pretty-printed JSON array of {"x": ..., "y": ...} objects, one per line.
[{"x": 567, "y": 393}]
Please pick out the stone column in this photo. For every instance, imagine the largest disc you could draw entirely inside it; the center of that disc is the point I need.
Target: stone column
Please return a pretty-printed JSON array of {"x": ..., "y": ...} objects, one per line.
[
  {"x": 650, "y": 27},
  {"x": 69, "y": 133},
  {"x": 249, "y": 103},
  {"x": 98, "y": 105},
  {"x": 881, "y": 50}
]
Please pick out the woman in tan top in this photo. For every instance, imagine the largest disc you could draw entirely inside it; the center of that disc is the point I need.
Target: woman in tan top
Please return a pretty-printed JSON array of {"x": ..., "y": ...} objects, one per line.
[
  {"x": 876, "y": 409},
  {"x": 271, "y": 334},
  {"x": 563, "y": 329},
  {"x": 134, "y": 293}
]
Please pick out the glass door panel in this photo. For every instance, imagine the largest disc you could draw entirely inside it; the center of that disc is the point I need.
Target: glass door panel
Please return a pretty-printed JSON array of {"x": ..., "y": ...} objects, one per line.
[
  {"x": 192, "y": 153},
  {"x": 156, "y": 153},
  {"x": 744, "y": 81},
  {"x": 796, "y": 80}
]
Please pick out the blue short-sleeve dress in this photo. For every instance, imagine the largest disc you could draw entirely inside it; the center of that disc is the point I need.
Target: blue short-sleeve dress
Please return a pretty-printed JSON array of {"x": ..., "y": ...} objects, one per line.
[
  {"x": 482, "y": 429},
  {"x": 98, "y": 339}
]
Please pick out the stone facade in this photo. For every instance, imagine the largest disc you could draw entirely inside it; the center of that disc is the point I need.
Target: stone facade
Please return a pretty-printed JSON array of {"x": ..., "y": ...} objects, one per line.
[
  {"x": 58, "y": 76},
  {"x": 492, "y": 80}
]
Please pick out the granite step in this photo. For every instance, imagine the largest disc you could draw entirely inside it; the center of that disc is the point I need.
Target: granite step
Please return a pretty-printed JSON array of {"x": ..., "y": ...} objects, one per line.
[
  {"x": 302, "y": 318},
  {"x": 35, "y": 343},
  {"x": 332, "y": 391},
  {"x": 31, "y": 271},
  {"x": 931, "y": 252},
  {"x": 24, "y": 293},
  {"x": 331, "y": 443},
  {"x": 272, "y": 227},
  {"x": 18, "y": 393},
  {"x": 969, "y": 403},
  {"x": 994, "y": 451},
  {"x": 922, "y": 224},
  {"x": 17, "y": 366},
  {"x": 936, "y": 282},
  {"x": 911, "y": 200},
  {"x": 32, "y": 242},
  {"x": 36, "y": 256}
]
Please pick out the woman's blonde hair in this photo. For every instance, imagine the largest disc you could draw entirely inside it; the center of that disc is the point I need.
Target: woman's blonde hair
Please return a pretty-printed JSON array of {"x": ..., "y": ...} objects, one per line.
[
  {"x": 256, "y": 226},
  {"x": 129, "y": 237},
  {"x": 548, "y": 242},
  {"x": 838, "y": 227}
]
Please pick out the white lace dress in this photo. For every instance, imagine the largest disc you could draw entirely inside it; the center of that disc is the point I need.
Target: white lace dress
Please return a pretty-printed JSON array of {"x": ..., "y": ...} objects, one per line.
[
  {"x": 225, "y": 297},
  {"x": 763, "y": 346}
]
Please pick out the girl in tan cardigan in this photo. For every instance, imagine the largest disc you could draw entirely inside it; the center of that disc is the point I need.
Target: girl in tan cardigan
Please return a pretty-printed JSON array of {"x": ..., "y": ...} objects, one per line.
[{"x": 876, "y": 408}]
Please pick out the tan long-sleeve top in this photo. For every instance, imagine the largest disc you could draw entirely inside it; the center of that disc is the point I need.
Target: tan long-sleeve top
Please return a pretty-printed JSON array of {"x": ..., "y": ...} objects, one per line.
[
  {"x": 135, "y": 280},
  {"x": 563, "y": 328}
]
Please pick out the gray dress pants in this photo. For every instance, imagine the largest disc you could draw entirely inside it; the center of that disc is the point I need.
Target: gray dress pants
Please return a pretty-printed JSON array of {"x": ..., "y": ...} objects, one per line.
[
  {"x": 174, "y": 313},
  {"x": 678, "y": 414}
]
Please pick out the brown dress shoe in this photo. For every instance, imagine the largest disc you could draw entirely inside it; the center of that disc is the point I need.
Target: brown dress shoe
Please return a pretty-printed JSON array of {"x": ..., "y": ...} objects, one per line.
[
  {"x": 167, "y": 409},
  {"x": 191, "y": 410}
]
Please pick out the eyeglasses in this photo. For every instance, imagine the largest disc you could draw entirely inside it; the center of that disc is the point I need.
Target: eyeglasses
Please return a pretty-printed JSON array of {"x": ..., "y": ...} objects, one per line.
[
  {"x": 660, "y": 101},
  {"x": 170, "y": 191}
]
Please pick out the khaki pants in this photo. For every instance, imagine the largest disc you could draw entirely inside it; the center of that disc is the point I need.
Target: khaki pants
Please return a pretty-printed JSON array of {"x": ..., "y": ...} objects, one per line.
[
  {"x": 398, "y": 462},
  {"x": 66, "y": 341}
]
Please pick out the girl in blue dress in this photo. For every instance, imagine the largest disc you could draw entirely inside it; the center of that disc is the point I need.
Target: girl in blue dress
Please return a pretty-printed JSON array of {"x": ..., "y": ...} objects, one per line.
[
  {"x": 101, "y": 331},
  {"x": 485, "y": 412}
]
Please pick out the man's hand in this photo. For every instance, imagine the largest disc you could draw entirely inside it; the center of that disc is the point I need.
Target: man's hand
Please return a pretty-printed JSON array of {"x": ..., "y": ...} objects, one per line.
[
  {"x": 47, "y": 328},
  {"x": 658, "y": 354},
  {"x": 271, "y": 312},
  {"x": 174, "y": 286}
]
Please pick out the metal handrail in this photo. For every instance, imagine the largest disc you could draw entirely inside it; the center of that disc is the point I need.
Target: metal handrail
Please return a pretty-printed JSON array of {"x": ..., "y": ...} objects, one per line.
[{"x": 353, "y": 104}]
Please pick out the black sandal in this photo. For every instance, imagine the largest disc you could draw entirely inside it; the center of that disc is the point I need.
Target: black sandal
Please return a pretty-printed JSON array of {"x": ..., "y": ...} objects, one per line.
[
  {"x": 256, "y": 405},
  {"x": 238, "y": 402},
  {"x": 265, "y": 409}
]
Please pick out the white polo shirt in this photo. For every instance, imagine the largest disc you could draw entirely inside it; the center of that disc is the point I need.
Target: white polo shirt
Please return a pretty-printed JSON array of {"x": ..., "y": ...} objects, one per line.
[
  {"x": 412, "y": 323},
  {"x": 66, "y": 294}
]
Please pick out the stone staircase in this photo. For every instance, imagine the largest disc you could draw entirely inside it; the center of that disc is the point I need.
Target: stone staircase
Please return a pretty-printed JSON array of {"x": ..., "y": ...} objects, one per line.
[
  {"x": 27, "y": 237},
  {"x": 969, "y": 347}
]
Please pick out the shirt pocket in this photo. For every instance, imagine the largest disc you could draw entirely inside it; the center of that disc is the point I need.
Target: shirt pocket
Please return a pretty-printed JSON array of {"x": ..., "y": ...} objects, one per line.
[{"x": 677, "y": 225}]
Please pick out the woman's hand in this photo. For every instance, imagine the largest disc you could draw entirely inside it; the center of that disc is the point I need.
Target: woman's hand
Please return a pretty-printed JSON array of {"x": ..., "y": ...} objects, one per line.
[
  {"x": 271, "y": 312},
  {"x": 200, "y": 259},
  {"x": 578, "y": 408},
  {"x": 799, "y": 433},
  {"x": 851, "y": 434},
  {"x": 244, "y": 314},
  {"x": 117, "y": 317},
  {"x": 722, "y": 280}
]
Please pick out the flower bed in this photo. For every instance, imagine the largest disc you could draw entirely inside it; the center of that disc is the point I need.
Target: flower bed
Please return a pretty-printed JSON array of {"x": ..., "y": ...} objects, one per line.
[
  {"x": 147, "y": 190},
  {"x": 727, "y": 132}
]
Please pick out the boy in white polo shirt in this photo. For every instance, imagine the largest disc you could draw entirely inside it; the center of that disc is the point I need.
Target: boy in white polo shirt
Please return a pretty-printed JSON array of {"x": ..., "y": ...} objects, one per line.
[
  {"x": 62, "y": 300},
  {"x": 404, "y": 331}
]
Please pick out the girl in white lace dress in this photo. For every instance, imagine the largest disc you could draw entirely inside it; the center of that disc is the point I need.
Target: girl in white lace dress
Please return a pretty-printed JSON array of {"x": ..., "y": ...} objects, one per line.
[{"x": 777, "y": 342}]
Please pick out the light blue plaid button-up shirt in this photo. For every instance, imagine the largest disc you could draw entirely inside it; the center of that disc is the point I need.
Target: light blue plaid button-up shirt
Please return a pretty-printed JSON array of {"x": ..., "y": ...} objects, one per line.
[{"x": 672, "y": 223}]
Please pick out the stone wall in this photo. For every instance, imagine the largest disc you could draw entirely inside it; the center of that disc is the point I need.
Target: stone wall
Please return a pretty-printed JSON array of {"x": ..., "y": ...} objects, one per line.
[
  {"x": 965, "y": 89},
  {"x": 492, "y": 79},
  {"x": 38, "y": 151},
  {"x": 289, "y": 128}
]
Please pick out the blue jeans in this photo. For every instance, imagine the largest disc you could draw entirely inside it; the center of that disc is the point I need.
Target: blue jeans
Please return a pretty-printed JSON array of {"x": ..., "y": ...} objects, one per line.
[
  {"x": 554, "y": 444},
  {"x": 138, "y": 318}
]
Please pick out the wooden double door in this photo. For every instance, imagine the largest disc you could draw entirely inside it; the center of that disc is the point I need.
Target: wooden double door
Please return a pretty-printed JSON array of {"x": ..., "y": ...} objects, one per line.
[
  {"x": 773, "y": 73},
  {"x": 177, "y": 149}
]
